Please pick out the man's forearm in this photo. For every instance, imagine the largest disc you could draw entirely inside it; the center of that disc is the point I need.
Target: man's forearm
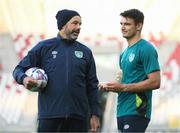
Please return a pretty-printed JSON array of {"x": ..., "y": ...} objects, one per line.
[
  {"x": 141, "y": 86},
  {"x": 18, "y": 75}
]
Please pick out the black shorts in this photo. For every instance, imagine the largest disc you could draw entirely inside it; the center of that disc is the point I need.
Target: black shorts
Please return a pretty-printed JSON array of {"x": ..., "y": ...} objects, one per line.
[
  {"x": 62, "y": 125},
  {"x": 133, "y": 123}
]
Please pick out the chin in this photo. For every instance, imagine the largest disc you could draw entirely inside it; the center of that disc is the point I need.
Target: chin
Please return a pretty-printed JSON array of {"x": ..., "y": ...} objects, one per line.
[
  {"x": 74, "y": 38},
  {"x": 127, "y": 37}
]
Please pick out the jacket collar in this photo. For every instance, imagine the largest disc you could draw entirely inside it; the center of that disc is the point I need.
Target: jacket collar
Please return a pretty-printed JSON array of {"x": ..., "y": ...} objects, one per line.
[{"x": 65, "y": 40}]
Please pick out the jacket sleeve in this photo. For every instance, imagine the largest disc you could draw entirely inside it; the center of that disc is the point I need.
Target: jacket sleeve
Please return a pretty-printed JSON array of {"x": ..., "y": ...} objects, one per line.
[
  {"x": 92, "y": 88},
  {"x": 32, "y": 59}
]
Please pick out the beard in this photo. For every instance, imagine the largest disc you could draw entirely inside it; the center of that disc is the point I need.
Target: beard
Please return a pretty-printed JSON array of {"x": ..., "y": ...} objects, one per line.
[
  {"x": 72, "y": 35},
  {"x": 129, "y": 36}
]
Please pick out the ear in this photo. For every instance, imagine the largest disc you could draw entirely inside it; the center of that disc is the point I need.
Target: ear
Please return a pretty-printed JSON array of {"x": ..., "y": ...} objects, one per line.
[
  {"x": 139, "y": 26},
  {"x": 63, "y": 27}
]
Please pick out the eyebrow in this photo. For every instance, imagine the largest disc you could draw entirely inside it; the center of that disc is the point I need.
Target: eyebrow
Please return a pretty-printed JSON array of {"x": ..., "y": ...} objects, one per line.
[
  {"x": 77, "y": 21},
  {"x": 125, "y": 23}
]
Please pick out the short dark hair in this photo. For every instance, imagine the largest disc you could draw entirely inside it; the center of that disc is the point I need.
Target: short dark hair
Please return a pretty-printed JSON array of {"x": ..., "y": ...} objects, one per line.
[{"x": 134, "y": 14}]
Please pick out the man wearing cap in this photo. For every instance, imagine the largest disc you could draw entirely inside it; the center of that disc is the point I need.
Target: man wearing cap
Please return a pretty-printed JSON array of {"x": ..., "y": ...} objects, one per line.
[{"x": 71, "y": 95}]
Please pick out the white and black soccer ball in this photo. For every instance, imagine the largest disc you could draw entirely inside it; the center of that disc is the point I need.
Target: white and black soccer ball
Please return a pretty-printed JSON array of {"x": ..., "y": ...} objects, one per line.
[{"x": 39, "y": 75}]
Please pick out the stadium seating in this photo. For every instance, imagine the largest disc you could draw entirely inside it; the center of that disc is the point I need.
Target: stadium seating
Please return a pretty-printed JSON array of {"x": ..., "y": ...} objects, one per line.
[
  {"x": 23, "y": 43},
  {"x": 12, "y": 99},
  {"x": 175, "y": 55},
  {"x": 1, "y": 67}
]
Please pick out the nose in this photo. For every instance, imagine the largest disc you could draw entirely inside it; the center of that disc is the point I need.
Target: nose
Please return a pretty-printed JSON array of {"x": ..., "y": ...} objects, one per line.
[
  {"x": 78, "y": 26},
  {"x": 122, "y": 27}
]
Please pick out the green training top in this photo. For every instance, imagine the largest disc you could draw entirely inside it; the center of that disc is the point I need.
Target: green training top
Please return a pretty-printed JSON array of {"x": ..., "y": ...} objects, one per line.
[{"x": 136, "y": 62}]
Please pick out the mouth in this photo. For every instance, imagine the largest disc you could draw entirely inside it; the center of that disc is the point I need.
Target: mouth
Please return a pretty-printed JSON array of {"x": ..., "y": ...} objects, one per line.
[
  {"x": 76, "y": 33},
  {"x": 124, "y": 32}
]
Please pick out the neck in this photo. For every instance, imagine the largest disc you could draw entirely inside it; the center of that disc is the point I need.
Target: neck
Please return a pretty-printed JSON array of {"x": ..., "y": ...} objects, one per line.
[
  {"x": 61, "y": 33},
  {"x": 133, "y": 40}
]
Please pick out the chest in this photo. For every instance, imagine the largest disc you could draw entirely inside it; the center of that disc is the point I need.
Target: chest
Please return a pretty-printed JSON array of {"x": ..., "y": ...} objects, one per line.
[
  {"x": 130, "y": 59},
  {"x": 63, "y": 58}
]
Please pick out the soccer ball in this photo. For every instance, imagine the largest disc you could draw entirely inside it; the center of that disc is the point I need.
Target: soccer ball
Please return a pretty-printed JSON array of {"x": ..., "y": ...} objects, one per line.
[{"x": 39, "y": 75}]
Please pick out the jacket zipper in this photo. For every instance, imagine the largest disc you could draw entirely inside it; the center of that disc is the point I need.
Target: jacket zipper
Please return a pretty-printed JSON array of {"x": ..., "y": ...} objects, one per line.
[{"x": 67, "y": 78}]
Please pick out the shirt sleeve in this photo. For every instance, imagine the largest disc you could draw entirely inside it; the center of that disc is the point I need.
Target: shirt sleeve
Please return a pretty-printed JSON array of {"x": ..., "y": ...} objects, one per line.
[
  {"x": 32, "y": 59},
  {"x": 149, "y": 59}
]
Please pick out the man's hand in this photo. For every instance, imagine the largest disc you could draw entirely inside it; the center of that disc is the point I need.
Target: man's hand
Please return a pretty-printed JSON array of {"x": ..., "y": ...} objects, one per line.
[
  {"x": 94, "y": 123},
  {"x": 29, "y": 83},
  {"x": 103, "y": 86},
  {"x": 118, "y": 76},
  {"x": 112, "y": 86}
]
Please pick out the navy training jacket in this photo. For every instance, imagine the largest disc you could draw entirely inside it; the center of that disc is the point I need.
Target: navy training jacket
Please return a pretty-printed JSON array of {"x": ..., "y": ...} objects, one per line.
[{"x": 72, "y": 87}]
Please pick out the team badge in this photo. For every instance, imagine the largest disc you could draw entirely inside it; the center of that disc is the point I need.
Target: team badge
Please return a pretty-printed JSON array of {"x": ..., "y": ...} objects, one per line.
[
  {"x": 131, "y": 57},
  {"x": 78, "y": 54},
  {"x": 126, "y": 126}
]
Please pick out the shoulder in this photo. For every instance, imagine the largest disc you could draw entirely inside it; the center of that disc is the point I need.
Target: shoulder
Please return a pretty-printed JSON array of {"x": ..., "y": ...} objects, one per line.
[
  {"x": 83, "y": 47},
  {"x": 48, "y": 41},
  {"x": 44, "y": 44},
  {"x": 146, "y": 48},
  {"x": 146, "y": 45},
  {"x": 123, "y": 52}
]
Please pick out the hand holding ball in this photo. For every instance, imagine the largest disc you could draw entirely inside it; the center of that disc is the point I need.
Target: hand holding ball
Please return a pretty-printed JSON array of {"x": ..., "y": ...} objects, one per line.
[{"x": 36, "y": 79}]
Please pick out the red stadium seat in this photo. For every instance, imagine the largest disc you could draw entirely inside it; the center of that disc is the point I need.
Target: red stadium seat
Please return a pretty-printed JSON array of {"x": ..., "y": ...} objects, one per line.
[{"x": 175, "y": 55}]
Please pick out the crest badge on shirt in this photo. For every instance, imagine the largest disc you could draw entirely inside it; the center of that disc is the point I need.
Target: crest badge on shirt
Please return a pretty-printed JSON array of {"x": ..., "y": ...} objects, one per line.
[
  {"x": 131, "y": 57},
  {"x": 78, "y": 54}
]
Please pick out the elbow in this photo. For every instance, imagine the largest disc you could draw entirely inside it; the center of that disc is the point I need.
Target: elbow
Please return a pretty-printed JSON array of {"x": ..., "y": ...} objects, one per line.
[{"x": 157, "y": 84}]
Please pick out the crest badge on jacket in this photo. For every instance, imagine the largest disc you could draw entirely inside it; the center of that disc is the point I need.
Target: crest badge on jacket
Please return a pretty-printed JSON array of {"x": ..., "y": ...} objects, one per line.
[{"x": 78, "y": 54}]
